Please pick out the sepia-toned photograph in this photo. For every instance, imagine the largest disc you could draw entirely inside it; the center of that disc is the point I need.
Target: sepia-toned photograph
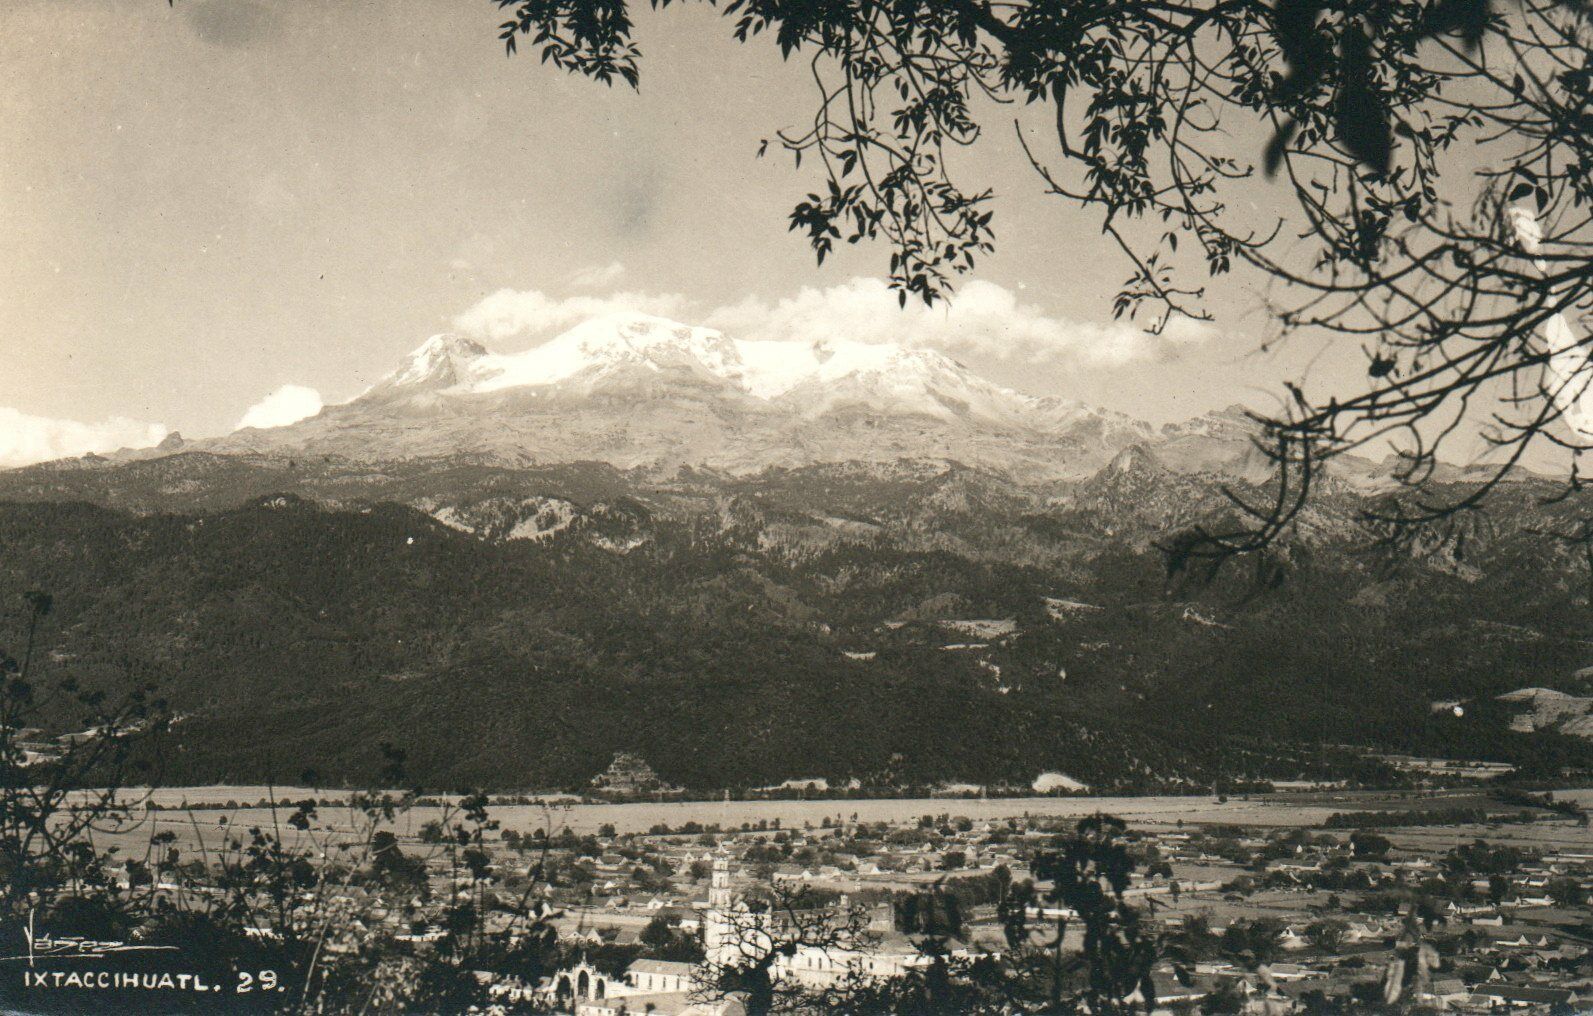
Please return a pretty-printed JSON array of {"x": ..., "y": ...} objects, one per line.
[{"x": 796, "y": 507}]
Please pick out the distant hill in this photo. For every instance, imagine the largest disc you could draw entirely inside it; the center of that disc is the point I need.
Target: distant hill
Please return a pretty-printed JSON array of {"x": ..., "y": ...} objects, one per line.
[
  {"x": 906, "y": 623},
  {"x": 748, "y": 565}
]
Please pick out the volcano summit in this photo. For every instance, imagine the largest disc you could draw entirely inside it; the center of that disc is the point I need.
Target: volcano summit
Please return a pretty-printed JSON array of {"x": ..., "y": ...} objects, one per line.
[{"x": 637, "y": 391}]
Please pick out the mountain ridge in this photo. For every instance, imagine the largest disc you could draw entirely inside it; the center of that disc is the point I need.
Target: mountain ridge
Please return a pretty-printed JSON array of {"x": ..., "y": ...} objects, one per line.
[
  {"x": 753, "y": 580},
  {"x": 516, "y": 627},
  {"x": 640, "y": 392},
  {"x": 643, "y": 392}
]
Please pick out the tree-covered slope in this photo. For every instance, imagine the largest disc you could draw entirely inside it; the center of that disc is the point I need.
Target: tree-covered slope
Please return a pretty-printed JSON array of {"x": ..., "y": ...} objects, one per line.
[{"x": 917, "y": 622}]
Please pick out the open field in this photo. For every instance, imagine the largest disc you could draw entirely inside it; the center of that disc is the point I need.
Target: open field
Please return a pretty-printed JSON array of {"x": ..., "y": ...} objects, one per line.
[
  {"x": 1279, "y": 810},
  {"x": 1223, "y": 865}
]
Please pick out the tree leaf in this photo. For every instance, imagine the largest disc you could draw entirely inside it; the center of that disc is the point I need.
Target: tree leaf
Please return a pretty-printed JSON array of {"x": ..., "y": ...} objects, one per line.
[
  {"x": 1361, "y": 119},
  {"x": 1273, "y": 157}
]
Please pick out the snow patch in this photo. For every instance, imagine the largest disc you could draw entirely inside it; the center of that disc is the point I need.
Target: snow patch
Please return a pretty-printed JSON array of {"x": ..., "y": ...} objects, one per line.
[
  {"x": 441, "y": 359},
  {"x": 815, "y": 377}
]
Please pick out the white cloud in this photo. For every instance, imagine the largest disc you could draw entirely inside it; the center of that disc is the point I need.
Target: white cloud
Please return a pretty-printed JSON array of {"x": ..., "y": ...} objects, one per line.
[
  {"x": 288, "y": 404},
  {"x": 26, "y": 439},
  {"x": 982, "y": 319},
  {"x": 597, "y": 277},
  {"x": 527, "y": 312}
]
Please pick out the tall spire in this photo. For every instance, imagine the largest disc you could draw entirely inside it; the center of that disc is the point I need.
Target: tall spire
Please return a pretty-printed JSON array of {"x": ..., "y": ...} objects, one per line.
[
  {"x": 718, "y": 931},
  {"x": 719, "y": 897}
]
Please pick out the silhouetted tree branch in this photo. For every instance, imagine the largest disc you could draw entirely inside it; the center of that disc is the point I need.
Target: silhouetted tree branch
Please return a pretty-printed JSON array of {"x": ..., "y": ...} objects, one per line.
[{"x": 1430, "y": 199}]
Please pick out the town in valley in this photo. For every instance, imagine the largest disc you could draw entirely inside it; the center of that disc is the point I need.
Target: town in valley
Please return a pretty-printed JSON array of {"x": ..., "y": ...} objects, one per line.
[{"x": 1455, "y": 890}]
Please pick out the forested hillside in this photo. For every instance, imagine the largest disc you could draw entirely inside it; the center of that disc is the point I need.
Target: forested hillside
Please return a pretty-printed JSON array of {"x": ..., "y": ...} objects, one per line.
[{"x": 902, "y": 624}]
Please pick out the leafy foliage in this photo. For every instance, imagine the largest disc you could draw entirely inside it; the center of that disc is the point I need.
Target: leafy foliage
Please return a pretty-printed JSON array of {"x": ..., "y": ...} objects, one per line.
[{"x": 1433, "y": 157}]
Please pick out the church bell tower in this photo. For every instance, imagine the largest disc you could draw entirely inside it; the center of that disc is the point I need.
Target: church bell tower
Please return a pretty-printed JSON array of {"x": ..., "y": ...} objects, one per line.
[{"x": 717, "y": 929}]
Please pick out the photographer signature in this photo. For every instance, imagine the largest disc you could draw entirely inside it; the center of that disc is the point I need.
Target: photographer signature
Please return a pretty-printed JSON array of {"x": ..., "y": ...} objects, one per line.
[{"x": 43, "y": 945}]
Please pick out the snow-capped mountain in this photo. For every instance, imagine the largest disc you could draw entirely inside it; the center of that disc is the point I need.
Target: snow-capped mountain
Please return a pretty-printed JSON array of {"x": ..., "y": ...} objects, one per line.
[
  {"x": 614, "y": 351},
  {"x": 641, "y": 391}
]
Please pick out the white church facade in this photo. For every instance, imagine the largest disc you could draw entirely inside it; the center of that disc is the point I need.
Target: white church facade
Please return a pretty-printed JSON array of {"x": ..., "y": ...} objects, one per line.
[{"x": 734, "y": 935}]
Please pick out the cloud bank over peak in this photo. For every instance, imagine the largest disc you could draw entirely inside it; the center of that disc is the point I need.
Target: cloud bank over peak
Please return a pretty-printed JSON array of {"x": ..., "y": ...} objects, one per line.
[
  {"x": 288, "y": 404},
  {"x": 981, "y": 320},
  {"x": 26, "y": 439},
  {"x": 509, "y": 313}
]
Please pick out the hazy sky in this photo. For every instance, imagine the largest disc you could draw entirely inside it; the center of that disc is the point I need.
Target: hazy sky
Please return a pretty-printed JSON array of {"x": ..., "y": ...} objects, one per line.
[{"x": 204, "y": 203}]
